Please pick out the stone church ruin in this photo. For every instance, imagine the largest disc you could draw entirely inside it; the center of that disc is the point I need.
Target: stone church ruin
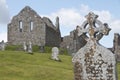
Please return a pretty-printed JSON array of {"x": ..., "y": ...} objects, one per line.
[
  {"x": 73, "y": 42},
  {"x": 116, "y": 45},
  {"x": 27, "y": 26}
]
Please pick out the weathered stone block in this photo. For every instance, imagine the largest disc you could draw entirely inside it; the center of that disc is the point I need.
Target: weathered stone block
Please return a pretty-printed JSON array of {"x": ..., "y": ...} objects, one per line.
[{"x": 93, "y": 61}]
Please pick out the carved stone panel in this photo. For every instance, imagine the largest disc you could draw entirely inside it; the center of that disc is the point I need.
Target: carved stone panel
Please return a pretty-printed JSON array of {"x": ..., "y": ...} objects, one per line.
[{"x": 93, "y": 61}]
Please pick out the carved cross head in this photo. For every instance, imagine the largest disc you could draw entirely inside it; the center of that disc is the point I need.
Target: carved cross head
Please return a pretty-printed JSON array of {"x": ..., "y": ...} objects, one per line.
[
  {"x": 95, "y": 28},
  {"x": 91, "y": 17}
]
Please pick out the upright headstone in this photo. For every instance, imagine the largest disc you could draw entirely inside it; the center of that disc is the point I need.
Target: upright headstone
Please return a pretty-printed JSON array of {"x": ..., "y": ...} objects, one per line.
[
  {"x": 2, "y": 45},
  {"x": 93, "y": 61},
  {"x": 41, "y": 47},
  {"x": 30, "y": 48},
  {"x": 24, "y": 46},
  {"x": 55, "y": 54}
]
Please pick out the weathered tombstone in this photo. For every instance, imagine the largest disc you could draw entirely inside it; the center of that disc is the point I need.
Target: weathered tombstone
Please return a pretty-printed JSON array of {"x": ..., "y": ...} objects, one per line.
[
  {"x": 30, "y": 48},
  {"x": 2, "y": 45},
  {"x": 55, "y": 53},
  {"x": 41, "y": 47},
  {"x": 93, "y": 61},
  {"x": 24, "y": 46}
]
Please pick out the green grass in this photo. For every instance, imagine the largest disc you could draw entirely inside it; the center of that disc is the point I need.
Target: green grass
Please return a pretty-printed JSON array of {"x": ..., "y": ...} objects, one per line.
[
  {"x": 118, "y": 70},
  {"x": 18, "y": 65}
]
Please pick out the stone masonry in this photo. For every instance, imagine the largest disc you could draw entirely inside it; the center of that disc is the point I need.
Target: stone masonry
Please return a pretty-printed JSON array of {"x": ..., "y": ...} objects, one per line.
[
  {"x": 116, "y": 46},
  {"x": 73, "y": 42},
  {"x": 27, "y": 26},
  {"x": 93, "y": 61}
]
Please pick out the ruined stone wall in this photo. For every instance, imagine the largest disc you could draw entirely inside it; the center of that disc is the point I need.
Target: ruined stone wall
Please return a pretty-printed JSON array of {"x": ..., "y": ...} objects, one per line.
[
  {"x": 26, "y": 26},
  {"x": 53, "y": 36},
  {"x": 116, "y": 46},
  {"x": 53, "y": 39},
  {"x": 67, "y": 40},
  {"x": 72, "y": 42},
  {"x": 29, "y": 26}
]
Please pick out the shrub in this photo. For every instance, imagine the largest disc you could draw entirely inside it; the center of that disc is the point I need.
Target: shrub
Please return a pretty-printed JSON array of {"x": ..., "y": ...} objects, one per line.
[
  {"x": 63, "y": 51},
  {"x": 14, "y": 47},
  {"x": 48, "y": 49},
  {"x": 35, "y": 49}
]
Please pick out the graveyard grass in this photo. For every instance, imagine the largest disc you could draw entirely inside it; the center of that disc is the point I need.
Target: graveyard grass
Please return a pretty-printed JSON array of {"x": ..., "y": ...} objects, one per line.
[{"x": 18, "y": 65}]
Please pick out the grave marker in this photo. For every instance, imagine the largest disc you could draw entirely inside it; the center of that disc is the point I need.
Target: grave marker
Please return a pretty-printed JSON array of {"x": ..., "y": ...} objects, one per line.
[
  {"x": 55, "y": 53},
  {"x": 93, "y": 61}
]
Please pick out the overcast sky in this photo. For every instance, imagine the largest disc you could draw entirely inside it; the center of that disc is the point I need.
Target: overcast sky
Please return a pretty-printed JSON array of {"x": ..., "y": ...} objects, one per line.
[{"x": 70, "y": 12}]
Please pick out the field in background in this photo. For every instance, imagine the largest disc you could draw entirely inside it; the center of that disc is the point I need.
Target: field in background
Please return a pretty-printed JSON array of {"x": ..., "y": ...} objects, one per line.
[{"x": 18, "y": 65}]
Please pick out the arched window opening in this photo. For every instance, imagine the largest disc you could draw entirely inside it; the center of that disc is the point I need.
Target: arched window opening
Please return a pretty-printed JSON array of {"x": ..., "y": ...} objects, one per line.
[
  {"x": 31, "y": 25},
  {"x": 20, "y": 26}
]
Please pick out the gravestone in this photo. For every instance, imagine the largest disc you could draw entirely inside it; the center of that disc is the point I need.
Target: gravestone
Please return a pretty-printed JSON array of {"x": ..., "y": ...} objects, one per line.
[
  {"x": 2, "y": 45},
  {"x": 24, "y": 46},
  {"x": 41, "y": 48},
  {"x": 55, "y": 54},
  {"x": 93, "y": 61},
  {"x": 30, "y": 48}
]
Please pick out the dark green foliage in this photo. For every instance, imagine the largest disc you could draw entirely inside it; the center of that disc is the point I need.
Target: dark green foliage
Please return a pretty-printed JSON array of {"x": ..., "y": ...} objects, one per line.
[
  {"x": 14, "y": 47},
  {"x": 35, "y": 49},
  {"x": 48, "y": 49},
  {"x": 63, "y": 51}
]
